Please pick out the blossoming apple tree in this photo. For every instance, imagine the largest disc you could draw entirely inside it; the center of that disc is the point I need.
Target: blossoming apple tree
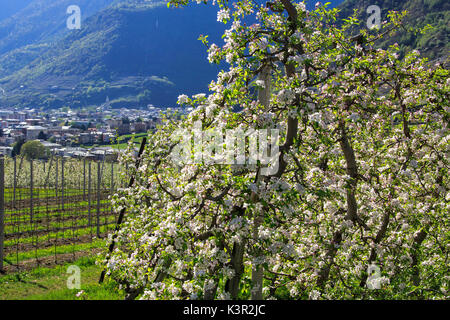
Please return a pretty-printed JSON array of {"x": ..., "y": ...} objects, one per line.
[{"x": 358, "y": 204}]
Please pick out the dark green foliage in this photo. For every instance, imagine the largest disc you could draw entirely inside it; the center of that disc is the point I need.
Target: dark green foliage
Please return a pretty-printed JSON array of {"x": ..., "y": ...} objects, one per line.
[
  {"x": 42, "y": 136},
  {"x": 17, "y": 146},
  {"x": 33, "y": 150}
]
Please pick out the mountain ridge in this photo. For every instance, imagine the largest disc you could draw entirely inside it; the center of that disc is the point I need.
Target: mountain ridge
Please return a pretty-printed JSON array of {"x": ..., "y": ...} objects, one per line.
[{"x": 120, "y": 49}]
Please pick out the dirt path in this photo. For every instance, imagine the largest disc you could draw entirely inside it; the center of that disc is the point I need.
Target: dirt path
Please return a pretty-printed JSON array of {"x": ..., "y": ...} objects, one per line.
[{"x": 22, "y": 247}]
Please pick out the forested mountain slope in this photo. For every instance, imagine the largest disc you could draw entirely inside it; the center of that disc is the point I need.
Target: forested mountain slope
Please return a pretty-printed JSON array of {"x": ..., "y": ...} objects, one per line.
[{"x": 433, "y": 44}]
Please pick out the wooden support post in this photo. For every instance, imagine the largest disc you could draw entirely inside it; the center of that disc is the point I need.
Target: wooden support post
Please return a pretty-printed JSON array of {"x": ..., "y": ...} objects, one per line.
[
  {"x": 15, "y": 182},
  {"x": 56, "y": 183},
  {"x": 98, "y": 197},
  {"x": 258, "y": 218},
  {"x": 2, "y": 211},
  {"x": 84, "y": 179},
  {"x": 112, "y": 186},
  {"x": 31, "y": 193},
  {"x": 112, "y": 178},
  {"x": 89, "y": 196},
  {"x": 62, "y": 184}
]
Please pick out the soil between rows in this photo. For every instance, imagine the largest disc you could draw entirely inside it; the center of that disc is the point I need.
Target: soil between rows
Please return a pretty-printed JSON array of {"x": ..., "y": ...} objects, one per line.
[{"x": 49, "y": 261}]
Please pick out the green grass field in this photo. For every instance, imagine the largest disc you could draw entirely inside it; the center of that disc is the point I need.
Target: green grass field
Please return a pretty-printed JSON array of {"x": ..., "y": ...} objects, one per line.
[
  {"x": 51, "y": 284},
  {"x": 121, "y": 145}
]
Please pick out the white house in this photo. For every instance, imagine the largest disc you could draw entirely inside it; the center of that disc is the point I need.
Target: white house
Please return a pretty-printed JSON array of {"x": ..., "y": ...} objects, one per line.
[{"x": 32, "y": 132}]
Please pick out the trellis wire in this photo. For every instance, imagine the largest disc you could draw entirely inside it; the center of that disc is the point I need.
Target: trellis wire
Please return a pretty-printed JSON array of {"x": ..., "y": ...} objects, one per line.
[{"x": 48, "y": 204}]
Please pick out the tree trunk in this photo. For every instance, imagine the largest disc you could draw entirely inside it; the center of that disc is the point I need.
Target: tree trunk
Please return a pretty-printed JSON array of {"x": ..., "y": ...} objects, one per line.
[{"x": 257, "y": 270}]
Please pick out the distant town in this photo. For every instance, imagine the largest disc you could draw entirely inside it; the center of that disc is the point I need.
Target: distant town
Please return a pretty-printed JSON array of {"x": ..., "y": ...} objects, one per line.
[{"x": 94, "y": 133}]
